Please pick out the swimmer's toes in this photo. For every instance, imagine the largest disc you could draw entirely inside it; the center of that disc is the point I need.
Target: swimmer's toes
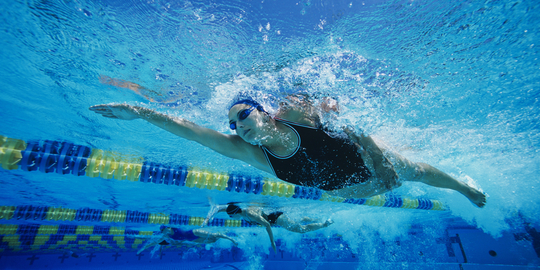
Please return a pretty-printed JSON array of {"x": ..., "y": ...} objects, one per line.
[{"x": 481, "y": 200}]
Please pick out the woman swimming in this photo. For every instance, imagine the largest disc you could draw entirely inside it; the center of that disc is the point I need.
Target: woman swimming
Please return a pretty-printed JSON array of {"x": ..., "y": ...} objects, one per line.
[
  {"x": 256, "y": 215},
  {"x": 293, "y": 146},
  {"x": 177, "y": 236}
]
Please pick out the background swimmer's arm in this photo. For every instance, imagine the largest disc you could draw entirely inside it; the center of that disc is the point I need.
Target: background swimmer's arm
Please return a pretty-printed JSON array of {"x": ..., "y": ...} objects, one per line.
[
  {"x": 228, "y": 145},
  {"x": 121, "y": 83},
  {"x": 383, "y": 168},
  {"x": 151, "y": 95}
]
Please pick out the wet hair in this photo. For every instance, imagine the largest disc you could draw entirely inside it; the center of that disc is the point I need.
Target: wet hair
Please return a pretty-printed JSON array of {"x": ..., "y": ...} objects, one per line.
[
  {"x": 233, "y": 209},
  {"x": 248, "y": 101}
]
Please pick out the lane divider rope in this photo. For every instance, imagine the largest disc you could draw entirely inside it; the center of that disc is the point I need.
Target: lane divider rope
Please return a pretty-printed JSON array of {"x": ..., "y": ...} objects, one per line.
[
  {"x": 30, "y": 212},
  {"x": 68, "y": 158}
]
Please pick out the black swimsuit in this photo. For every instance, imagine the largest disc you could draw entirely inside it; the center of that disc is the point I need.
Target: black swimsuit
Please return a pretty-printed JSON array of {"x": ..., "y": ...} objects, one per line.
[
  {"x": 272, "y": 217},
  {"x": 322, "y": 160},
  {"x": 232, "y": 209}
]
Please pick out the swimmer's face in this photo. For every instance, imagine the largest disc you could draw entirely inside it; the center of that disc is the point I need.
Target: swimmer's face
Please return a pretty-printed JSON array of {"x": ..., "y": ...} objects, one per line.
[{"x": 252, "y": 128}]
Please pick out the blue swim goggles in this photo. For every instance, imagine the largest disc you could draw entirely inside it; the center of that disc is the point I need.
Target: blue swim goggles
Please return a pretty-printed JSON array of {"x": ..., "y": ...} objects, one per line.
[{"x": 242, "y": 116}]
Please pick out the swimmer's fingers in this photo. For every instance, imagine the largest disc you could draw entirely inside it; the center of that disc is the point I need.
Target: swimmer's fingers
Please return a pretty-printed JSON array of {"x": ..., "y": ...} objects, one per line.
[
  {"x": 107, "y": 107},
  {"x": 103, "y": 110},
  {"x": 116, "y": 111},
  {"x": 98, "y": 108},
  {"x": 110, "y": 116}
]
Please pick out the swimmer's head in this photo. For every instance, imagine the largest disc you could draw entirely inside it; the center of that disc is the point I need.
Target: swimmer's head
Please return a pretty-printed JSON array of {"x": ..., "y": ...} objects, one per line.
[
  {"x": 249, "y": 120},
  {"x": 248, "y": 101},
  {"x": 233, "y": 209}
]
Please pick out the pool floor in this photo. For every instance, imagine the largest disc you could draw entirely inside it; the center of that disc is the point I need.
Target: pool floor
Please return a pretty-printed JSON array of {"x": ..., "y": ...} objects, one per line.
[{"x": 460, "y": 248}]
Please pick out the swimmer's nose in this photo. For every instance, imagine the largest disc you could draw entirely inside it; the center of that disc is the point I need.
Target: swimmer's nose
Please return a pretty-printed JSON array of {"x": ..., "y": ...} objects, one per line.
[{"x": 240, "y": 124}]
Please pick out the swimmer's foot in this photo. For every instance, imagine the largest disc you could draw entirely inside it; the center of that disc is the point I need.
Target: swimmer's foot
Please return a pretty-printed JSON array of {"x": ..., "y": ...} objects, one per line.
[
  {"x": 328, "y": 222},
  {"x": 477, "y": 197}
]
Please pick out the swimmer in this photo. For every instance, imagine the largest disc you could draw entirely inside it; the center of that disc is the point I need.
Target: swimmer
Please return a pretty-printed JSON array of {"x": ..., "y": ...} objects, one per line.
[
  {"x": 294, "y": 146},
  {"x": 176, "y": 236},
  {"x": 256, "y": 215}
]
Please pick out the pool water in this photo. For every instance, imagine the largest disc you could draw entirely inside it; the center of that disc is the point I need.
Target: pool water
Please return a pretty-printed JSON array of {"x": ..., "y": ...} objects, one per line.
[{"x": 455, "y": 84}]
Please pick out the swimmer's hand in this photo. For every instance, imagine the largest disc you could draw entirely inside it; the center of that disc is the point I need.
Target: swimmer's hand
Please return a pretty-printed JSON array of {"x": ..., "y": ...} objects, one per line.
[
  {"x": 117, "y": 111},
  {"x": 329, "y": 104}
]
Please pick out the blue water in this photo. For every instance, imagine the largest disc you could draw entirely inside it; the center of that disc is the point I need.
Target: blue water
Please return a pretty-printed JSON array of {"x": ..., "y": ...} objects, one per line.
[{"x": 451, "y": 83}]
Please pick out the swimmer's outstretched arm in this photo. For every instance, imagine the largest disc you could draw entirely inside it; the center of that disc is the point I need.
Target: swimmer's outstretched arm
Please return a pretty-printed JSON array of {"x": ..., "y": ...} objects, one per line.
[
  {"x": 228, "y": 145},
  {"x": 383, "y": 167}
]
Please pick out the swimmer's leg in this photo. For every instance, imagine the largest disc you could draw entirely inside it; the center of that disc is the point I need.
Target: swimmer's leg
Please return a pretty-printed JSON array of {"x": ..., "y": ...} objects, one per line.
[
  {"x": 374, "y": 186},
  {"x": 292, "y": 226},
  {"x": 209, "y": 237},
  {"x": 427, "y": 174},
  {"x": 156, "y": 248},
  {"x": 375, "y": 160},
  {"x": 148, "y": 243},
  {"x": 432, "y": 176}
]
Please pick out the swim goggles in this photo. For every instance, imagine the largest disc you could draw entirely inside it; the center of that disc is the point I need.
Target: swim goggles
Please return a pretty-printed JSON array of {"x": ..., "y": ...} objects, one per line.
[{"x": 242, "y": 116}]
